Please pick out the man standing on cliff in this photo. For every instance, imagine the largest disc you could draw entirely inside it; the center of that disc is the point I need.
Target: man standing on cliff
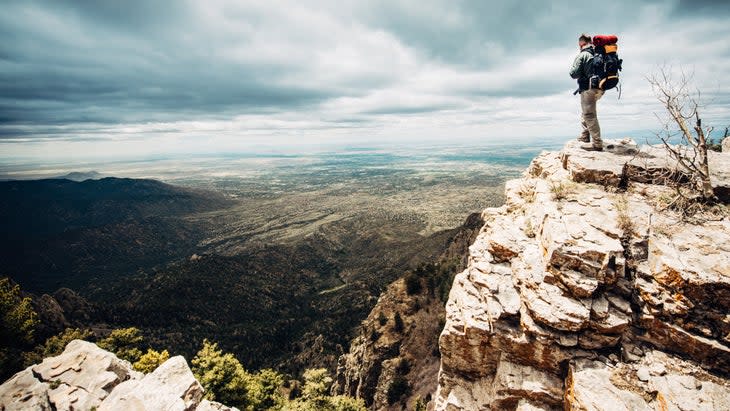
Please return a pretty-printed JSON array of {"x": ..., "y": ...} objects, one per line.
[{"x": 588, "y": 96}]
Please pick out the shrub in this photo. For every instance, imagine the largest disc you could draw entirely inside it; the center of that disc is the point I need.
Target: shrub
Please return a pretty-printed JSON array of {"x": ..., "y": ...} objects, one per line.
[
  {"x": 382, "y": 319},
  {"x": 398, "y": 325},
  {"x": 264, "y": 390},
  {"x": 223, "y": 377},
  {"x": 413, "y": 283},
  {"x": 123, "y": 342},
  {"x": 314, "y": 395},
  {"x": 151, "y": 360},
  {"x": 17, "y": 317},
  {"x": 55, "y": 345},
  {"x": 17, "y": 323}
]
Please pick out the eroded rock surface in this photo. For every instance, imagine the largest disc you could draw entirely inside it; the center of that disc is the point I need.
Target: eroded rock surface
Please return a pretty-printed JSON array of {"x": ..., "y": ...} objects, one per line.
[
  {"x": 86, "y": 377},
  {"x": 580, "y": 294}
]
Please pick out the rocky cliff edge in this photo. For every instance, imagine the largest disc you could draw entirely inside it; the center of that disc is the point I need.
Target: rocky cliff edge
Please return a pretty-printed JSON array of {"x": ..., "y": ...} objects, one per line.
[
  {"x": 85, "y": 377},
  {"x": 583, "y": 293}
]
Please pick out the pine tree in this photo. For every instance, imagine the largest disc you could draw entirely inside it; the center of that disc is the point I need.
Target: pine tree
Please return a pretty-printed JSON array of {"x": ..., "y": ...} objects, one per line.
[
  {"x": 17, "y": 323},
  {"x": 222, "y": 375}
]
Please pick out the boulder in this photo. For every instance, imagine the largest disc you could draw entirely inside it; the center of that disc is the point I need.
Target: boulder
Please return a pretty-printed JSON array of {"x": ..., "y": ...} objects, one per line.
[
  {"x": 171, "y": 386},
  {"x": 86, "y": 377},
  {"x": 83, "y": 375}
]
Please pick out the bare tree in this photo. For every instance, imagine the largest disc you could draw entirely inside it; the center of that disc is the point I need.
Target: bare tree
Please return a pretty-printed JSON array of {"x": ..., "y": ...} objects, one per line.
[{"x": 684, "y": 121}]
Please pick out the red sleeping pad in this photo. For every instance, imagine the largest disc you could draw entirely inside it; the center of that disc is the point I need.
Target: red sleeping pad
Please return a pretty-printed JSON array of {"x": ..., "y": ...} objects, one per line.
[{"x": 604, "y": 39}]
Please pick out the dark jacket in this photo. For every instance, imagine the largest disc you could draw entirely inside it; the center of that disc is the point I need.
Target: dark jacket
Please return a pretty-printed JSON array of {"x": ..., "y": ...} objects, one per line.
[{"x": 580, "y": 68}]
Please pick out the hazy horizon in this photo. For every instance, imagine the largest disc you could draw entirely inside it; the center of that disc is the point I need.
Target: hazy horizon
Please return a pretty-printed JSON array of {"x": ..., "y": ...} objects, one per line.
[{"x": 173, "y": 167}]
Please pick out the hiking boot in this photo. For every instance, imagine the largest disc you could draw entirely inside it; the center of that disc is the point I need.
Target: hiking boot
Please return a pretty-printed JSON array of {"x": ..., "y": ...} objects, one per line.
[
  {"x": 591, "y": 147},
  {"x": 584, "y": 139}
]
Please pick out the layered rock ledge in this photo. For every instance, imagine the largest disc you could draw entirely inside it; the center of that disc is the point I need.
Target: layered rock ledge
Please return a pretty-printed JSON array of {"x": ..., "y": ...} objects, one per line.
[
  {"x": 85, "y": 377},
  {"x": 582, "y": 294}
]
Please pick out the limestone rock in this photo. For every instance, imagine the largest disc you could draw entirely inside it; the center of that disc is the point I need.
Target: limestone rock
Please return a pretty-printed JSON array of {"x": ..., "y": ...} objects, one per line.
[
  {"x": 25, "y": 392},
  {"x": 726, "y": 145},
  {"x": 573, "y": 276},
  {"x": 84, "y": 374},
  {"x": 514, "y": 382},
  {"x": 592, "y": 385},
  {"x": 86, "y": 377},
  {"x": 171, "y": 386},
  {"x": 589, "y": 387}
]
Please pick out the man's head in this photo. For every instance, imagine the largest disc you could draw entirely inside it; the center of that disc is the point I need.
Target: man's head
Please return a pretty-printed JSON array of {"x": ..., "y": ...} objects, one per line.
[{"x": 583, "y": 40}]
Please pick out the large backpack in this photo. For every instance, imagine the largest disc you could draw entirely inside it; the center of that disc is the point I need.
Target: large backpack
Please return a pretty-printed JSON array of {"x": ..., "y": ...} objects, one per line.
[{"x": 605, "y": 65}]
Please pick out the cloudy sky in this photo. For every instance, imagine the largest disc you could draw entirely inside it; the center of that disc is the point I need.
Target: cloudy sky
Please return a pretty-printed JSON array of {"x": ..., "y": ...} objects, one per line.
[{"x": 138, "y": 77}]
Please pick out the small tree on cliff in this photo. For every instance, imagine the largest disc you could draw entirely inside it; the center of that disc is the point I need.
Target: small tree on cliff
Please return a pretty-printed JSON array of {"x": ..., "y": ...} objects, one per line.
[
  {"x": 152, "y": 359},
  {"x": 17, "y": 323},
  {"x": 224, "y": 378},
  {"x": 683, "y": 106}
]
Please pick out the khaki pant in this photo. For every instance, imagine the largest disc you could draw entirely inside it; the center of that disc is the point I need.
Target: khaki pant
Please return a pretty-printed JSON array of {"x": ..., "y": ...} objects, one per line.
[{"x": 589, "y": 119}]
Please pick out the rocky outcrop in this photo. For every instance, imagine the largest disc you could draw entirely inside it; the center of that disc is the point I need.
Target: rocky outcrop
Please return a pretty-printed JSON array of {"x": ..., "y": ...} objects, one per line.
[
  {"x": 376, "y": 354},
  {"x": 86, "y": 377},
  {"x": 63, "y": 309},
  {"x": 581, "y": 294}
]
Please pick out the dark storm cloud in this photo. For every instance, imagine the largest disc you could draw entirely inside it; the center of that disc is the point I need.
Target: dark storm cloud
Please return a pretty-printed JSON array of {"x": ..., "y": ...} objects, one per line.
[
  {"x": 110, "y": 62},
  {"x": 713, "y": 8},
  {"x": 92, "y": 64}
]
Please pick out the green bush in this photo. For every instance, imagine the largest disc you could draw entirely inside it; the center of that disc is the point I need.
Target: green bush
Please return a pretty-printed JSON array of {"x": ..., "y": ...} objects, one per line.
[
  {"x": 17, "y": 324},
  {"x": 314, "y": 396},
  {"x": 264, "y": 390},
  {"x": 55, "y": 345},
  {"x": 124, "y": 342},
  {"x": 17, "y": 317},
  {"x": 222, "y": 376},
  {"x": 151, "y": 360}
]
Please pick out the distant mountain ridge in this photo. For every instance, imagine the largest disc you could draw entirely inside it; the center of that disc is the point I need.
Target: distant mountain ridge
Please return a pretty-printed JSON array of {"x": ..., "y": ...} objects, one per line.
[
  {"x": 62, "y": 204},
  {"x": 56, "y": 228},
  {"x": 82, "y": 175}
]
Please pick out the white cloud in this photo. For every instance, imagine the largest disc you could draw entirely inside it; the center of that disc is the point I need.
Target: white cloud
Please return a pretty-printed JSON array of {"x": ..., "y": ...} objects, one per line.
[{"x": 225, "y": 75}]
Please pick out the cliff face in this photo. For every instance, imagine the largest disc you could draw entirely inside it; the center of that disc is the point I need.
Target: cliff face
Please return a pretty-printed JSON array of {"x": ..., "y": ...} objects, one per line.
[
  {"x": 86, "y": 377},
  {"x": 581, "y": 295}
]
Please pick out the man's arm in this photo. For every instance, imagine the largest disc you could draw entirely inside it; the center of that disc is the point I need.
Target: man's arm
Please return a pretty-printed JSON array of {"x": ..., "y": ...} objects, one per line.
[{"x": 577, "y": 69}]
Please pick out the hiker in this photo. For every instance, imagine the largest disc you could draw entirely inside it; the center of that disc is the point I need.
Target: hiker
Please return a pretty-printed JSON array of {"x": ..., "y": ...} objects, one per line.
[{"x": 581, "y": 71}]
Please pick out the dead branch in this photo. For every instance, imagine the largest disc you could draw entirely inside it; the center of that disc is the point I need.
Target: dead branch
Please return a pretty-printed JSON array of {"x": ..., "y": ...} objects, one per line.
[{"x": 690, "y": 154}]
